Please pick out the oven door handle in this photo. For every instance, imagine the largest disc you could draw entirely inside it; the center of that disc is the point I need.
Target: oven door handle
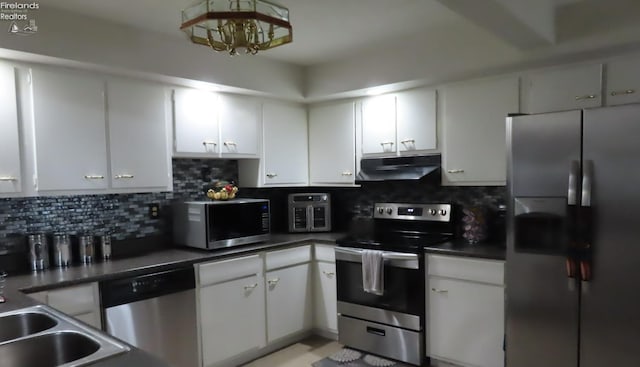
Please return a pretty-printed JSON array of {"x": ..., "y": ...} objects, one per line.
[{"x": 397, "y": 259}]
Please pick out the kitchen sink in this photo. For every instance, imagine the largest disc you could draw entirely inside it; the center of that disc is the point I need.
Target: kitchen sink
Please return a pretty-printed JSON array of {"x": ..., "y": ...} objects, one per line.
[
  {"x": 23, "y": 324},
  {"x": 40, "y": 336},
  {"x": 47, "y": 350}
]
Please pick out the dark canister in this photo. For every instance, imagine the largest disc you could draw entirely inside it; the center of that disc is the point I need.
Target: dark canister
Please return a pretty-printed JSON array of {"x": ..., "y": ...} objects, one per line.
[
  {"x": 104, "y": 242},
  {"x": 38, "y": 251},
  {"x": 86, "y": 249},
  {"x": 61, "y": 250}
]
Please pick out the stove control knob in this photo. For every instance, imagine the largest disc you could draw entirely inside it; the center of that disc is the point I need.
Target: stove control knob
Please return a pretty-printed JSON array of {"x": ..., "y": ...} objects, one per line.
[
  {"x": 380, "y": 210},
  {"x": 389, "y": 211},
  {"x": 433, "y": 211},
  {"x": 443, "y": 212}
]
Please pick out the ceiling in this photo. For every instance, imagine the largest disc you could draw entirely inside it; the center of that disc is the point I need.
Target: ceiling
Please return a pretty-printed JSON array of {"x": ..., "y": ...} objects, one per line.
[{"x": 328, "y": 30}]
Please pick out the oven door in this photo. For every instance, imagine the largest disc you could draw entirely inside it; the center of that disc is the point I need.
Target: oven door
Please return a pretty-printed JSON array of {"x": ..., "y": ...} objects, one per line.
[{"x": 401, "y": 304}]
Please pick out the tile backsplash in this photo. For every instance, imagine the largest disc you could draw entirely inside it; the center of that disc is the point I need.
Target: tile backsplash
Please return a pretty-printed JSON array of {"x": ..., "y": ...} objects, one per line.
[{"x": 127, "y": 216}]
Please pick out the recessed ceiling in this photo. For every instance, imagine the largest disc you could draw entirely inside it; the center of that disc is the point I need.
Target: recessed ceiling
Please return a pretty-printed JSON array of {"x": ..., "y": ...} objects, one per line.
[{"x": 323, "y": 30}]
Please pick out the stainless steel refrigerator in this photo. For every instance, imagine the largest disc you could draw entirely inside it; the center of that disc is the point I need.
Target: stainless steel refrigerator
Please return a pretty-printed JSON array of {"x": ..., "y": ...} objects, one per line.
[{"x": 573, "y": 239}]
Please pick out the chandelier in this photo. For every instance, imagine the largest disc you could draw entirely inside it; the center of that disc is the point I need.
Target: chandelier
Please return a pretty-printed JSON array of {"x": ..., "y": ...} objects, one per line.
[{"x": 233, "y": 25}]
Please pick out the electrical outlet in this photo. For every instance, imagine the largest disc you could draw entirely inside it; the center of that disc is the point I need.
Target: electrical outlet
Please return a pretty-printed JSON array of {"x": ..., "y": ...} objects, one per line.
[{"x": 154, "y": 211}]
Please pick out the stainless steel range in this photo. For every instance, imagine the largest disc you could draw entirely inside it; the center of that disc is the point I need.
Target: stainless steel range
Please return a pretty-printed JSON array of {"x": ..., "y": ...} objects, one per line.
[{"x": 389, "y": 321}]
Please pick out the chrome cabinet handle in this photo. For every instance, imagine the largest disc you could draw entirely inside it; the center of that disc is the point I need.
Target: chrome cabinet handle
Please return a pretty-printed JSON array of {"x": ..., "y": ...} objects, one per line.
[
  {"x": 273, "y": 281},
  {"x": 117, "y": 177},
  {"x": 94, "y": 177},
  {"x": 329, "y": 274},
  {"x": 250, "y": 287},
  {"x": 587, "y": 177},
  {"x": 227, "y": 143},
  {"x": 209, "y": 142},
  {"x": 412, "y": 141},
  {"x": 572, "y": 191},
  {"x": 387, "y": 143},
  {"x": 347, "y": 173},
  {"x": 455, "y": 171},
  {"x": 272, "y": 175},
  {"x": 8, "y": 178},
  {"x": 436, "y": 290},
  {"x": 623, "y": 92},
  {"x": 585, "y": 97}
]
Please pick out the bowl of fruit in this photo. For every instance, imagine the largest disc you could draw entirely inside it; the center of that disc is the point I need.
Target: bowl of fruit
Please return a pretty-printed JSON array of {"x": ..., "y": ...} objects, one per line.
[{"x": 222, "y": 190}]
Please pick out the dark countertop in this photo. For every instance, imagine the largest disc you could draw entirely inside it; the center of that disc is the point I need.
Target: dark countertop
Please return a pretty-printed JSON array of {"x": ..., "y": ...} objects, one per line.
[
  {"x": 486, "y": 250},
  {"x": 153, "y": 261}
]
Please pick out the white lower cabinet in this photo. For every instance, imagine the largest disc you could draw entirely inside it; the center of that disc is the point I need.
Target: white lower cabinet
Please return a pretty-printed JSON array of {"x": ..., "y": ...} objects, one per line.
[
  {"x": 326, "y": 311},
  {"x": 325, "y": 289},
  {"x": 465, "y": 311},
  {"x": 231, "y": 308},
  {"x": 289, "y": 292},
  {"x": 289, "y": 301},
  {"x": 81, "y": 302}
]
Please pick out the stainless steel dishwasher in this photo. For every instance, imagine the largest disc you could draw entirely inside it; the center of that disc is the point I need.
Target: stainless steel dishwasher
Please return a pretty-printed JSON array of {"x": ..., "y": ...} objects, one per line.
[{"x": 155, "y": 312}]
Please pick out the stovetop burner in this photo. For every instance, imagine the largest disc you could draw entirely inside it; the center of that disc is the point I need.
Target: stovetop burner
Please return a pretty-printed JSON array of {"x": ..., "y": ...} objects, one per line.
[{"x": 403, "y": 227}]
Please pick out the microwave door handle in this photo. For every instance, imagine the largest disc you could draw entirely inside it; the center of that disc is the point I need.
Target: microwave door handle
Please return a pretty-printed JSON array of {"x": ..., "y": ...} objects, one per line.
[{"x": 309, "y": 218}]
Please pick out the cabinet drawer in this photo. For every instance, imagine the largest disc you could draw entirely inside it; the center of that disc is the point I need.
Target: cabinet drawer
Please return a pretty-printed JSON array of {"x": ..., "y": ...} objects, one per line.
[
  {"x": 325, "y": 253},
  {"x": 288, "y": 257},
  {"x": 483, "y": 271},
  {"x": 220, "y": 271},
  {"x": 73, "y": 300}
]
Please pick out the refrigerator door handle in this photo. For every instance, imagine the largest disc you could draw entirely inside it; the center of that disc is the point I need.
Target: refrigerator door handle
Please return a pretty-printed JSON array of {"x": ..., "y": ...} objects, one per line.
[
  {"x": 572, "y": 193},
  {"x": 587, "y": 181}
]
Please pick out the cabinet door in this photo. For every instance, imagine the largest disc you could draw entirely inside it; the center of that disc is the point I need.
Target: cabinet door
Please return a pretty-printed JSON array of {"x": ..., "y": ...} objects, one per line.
[
  {"x": 289, "y": 301},
  {"x": 70, "y": 134},
  {"x": 465, "y": 322},
  {"x": 623, "y": 80},
  {"x": 285, "y": 144},
  {"x": 332, "y": 144},
  {"x": 239, "y": 125},
  {"x": 10, "y": 175},
  {"x": 474, "y": 118},
  {"x": 232, "y": 318},
  {"x": 416, "y": 120},
  {"x": 137, "y": 135},
  {"x": 566, "y": 88},
  {"x": 195, "y": 122},
  {"x": 326, "y": 315},
  {"x": 379, "y": 125}
]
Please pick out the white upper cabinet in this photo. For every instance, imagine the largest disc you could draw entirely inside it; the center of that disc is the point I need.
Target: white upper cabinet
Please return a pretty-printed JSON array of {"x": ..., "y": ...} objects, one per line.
[
  {"x": 474, "y": 119},
  {"x": 196, "y": 131},
  {"x": 416, "y": 120},
  {"x": 137, "y": 135},
  {"x": 623, "y": 80},
  {"x": 285, "y": 144},
  {"x": 564, "y": 88},
  {"x": 332, "y": 144},
  {"x": 69, "y": 126},
  {"x": 10, "y": 175},
  {"x": 379, "y": 125},
  {"x": 239, "y": 126}
]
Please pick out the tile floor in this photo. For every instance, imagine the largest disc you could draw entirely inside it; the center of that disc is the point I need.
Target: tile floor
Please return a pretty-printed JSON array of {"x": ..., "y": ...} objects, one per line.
[{"x": 301, "y": 354}]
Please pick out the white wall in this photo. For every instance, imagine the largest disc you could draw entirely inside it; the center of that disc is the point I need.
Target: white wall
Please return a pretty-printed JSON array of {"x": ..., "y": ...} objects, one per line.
[{"x": 93, "y": 42}]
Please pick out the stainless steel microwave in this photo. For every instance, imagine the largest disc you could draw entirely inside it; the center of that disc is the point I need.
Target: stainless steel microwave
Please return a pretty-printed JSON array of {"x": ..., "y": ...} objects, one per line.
[{"x": 218, "y": 224}]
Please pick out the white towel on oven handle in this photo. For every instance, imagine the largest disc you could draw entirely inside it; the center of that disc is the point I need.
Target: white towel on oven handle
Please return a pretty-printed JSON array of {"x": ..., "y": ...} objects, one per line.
[{"x": 373, "y": 272}]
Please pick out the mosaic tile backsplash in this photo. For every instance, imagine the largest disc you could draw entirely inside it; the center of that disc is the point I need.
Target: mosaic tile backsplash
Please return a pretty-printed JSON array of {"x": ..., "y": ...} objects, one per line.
[
  {"x": 123, "y": 215},
  {"x": 126, "y": 216}
]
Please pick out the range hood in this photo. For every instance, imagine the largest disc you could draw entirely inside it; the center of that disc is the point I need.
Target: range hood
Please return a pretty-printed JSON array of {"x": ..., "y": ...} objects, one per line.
[{"x": 398, "y": 168}]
